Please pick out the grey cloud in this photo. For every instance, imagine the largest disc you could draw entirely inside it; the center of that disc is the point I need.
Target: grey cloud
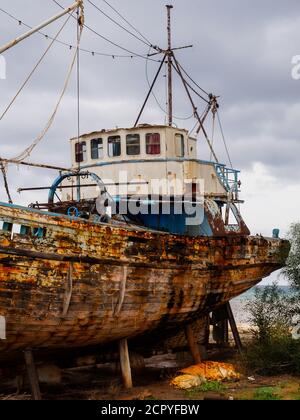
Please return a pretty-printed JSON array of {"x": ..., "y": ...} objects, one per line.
[{"x": 242, "y": 51}]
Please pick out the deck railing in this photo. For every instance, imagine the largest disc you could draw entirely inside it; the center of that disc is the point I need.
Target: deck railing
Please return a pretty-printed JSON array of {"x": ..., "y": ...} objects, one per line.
[{"x": 229, "y": 178}]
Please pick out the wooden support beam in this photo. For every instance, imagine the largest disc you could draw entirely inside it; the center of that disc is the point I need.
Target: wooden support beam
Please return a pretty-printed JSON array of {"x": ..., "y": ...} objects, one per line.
[
  {"x": 234, "y": 329},
  {"x": 32, "y": 375},
  {"x": 193, "y": 345},
  {"x": 125, "y": 364}
]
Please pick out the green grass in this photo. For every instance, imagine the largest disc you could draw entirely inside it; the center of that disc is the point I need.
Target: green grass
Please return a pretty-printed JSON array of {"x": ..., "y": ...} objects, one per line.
[
  {"x": 209, "y": 386},
  {"x": 266, "y": 394}
]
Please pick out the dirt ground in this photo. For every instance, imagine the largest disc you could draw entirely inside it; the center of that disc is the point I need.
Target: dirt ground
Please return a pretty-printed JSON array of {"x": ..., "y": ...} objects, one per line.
[{"x": 153, "y": 383}]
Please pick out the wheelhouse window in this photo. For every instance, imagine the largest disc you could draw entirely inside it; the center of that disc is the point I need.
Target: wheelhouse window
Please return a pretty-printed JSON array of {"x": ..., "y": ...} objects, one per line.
[
  {"x": 80, "y": 152},
  {"x": 179, "y": 145},
  {"x": 133, "y": 144},
  {"x": 114, "y": 146},
  {"x": 153, "y": 144},
  {"x": 97, "y": 150}
]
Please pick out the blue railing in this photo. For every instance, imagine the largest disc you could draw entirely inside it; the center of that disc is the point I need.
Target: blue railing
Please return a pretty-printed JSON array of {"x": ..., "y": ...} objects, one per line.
[{"x": 229, "y": 178}]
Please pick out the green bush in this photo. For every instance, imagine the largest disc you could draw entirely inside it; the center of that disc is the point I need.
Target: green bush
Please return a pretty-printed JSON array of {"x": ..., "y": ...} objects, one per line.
[
  {"x": 273, "y": 349},
  {"x": 292, "y": 269}
]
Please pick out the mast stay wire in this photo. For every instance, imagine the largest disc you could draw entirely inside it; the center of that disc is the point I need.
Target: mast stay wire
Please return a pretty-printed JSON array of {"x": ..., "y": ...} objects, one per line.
[
  {"x": 224, "y": 139},
  {"x": 186, "y": 86},
  {"x": 216, "y": 114},
  {"x": 126, "y": 20},
  {"x": 33, "y": 70},
  {"x": 157, "y": 101},
  {"x": 118, "y": 24},
  {"x": 193, "y": 81},
  {"x": 27, "y": 152},
  {"x": 70, "y": 46},
  {"x": 107, "y": 39}
]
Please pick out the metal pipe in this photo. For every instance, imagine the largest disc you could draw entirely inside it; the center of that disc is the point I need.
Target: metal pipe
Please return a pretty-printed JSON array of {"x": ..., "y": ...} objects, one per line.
[
  {"x": 150, "y": 90},
  {"x": 32, "y": 31},
  {"x": 63, "y": 187},
  {"x": 34, "y": 165},
  {"x": 170, "y": 82}
]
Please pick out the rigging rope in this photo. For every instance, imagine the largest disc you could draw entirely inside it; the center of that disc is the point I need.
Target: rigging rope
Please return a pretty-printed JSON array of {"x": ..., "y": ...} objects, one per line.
[
  {"x": 196, "y": 84},
  {"x": 71, "y": 46},
  {"x": 118, "y": 24},
  {"x": 224, "y": 140},
  {"x": 33, "y": 71},
  {"x": 26, "y": 153},
  {"x": 214, "y": 110},
  {"x": 126, "y": 20},
  {"x": 157, "y": 101},
  {"x": 107, "y": 39},
  {"x": 196, "y": 113},
  {"x": 4, "y": 174}
]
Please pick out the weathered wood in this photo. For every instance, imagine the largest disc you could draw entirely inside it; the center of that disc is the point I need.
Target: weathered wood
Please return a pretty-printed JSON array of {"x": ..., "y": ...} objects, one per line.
[
  {"x": 125, "y": 364},
  {"x": 69, "y": 291},
  {"x": 122, "y": 291},
  {"x": 32, "y": 375},
  {"x": 193, "y": 345},
  {"x": 234, "y": 328},
  {"x": 171, "y": 280}
]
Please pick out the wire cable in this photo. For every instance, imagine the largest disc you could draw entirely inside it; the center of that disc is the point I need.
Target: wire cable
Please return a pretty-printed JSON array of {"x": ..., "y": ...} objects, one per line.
[
  {"x": 68, "y": 45},
  {"x": 34, "y": 69},
  {"x": 193, "y": 81},
  {"x": 118, "y": 24},
  {"x": 108, "y": 40},
  {"x": 157, "y": 101},
  {"x": 126, "y": 20},
  {"x": 188, "y": 84},
  {"x": 22, "y": 156},
  {"x": 224, "y": 140}
]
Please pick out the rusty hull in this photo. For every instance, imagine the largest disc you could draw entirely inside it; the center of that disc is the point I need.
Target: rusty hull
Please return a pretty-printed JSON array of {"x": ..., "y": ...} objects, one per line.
[{"x": 85, "y": 284}]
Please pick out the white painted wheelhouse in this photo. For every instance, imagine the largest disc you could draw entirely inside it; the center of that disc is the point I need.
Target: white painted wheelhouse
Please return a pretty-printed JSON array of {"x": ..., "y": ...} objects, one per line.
[{"x": 137, "y": 156}]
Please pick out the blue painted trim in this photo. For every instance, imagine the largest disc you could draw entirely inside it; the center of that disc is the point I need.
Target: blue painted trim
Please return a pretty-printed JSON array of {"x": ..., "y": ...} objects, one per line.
[
  {"x": 135, "y": 161},
  {"x": 223, "y": 172},
  {"x": 61, "y": 178}
]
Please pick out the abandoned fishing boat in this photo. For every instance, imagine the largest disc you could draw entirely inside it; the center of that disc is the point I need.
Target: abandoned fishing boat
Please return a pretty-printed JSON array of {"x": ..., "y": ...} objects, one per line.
[{"x": 139, "y": 236}]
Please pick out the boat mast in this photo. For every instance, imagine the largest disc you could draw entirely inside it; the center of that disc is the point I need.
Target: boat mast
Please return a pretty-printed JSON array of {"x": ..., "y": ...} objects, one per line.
[{"x": 169, "y": 54}]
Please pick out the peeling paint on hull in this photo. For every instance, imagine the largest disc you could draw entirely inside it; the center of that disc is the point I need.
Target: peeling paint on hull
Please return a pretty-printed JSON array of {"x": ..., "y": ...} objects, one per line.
[{"x": 85, "y": 284}]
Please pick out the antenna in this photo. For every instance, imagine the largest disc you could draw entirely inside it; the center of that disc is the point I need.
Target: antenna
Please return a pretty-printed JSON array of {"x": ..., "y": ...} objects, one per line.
[
  {"x": 169, "y": 54},
  {"x": 168, "y": 58}
]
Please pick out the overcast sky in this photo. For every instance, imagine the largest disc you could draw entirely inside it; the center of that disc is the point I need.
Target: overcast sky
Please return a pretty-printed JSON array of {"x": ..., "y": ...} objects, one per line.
[{"x": 242, "y": 52}]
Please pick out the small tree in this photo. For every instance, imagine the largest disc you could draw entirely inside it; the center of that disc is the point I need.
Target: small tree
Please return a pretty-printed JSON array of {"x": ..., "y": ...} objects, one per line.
[
  {"x": 271, "y": 313},
  {"x": 273, "y": 349},
  {"x": 292, "y": 269}
]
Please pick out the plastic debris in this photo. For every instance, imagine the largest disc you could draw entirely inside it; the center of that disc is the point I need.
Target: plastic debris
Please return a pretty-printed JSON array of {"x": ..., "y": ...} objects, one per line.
[
  {"x": 186, "y": 381},
  {"x": 194, "y": 376}
]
